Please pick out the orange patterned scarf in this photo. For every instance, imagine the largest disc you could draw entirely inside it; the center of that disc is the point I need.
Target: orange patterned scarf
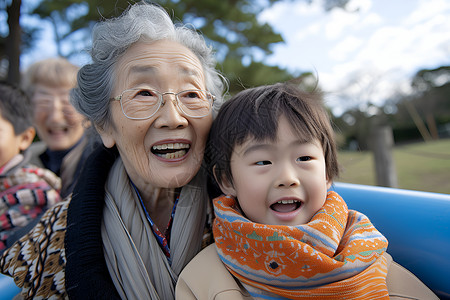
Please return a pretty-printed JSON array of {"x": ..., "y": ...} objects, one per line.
[{"x": 337, "y": 255}]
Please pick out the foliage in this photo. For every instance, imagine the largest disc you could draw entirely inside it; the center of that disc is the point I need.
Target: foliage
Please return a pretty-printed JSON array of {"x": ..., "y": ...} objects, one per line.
[
  {"x": 417, "y": 115},
  {"x": 429, "y": 101},
  {"x": 230, "y": 26},
  {"x": 72, "y": 17}
]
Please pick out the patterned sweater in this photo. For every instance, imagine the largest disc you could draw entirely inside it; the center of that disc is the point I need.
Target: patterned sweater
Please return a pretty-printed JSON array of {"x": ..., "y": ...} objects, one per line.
[
  {"x": 37, "y": 261},
  {"x": 26, "y": 191},
  {"x": 63, "y": 256}
]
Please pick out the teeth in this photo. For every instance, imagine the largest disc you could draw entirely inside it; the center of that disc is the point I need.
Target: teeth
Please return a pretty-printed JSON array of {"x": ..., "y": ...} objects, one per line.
[
  {"x": 171, "y": 146},
  {"x": 173, "y": 155},
  {"x": 287, "y": 201}
]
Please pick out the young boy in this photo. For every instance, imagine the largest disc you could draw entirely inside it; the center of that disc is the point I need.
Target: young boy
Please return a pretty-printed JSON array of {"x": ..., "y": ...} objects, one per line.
[
  {"x": 25, "y": 190},
  {"x": 279, "y": 233}
]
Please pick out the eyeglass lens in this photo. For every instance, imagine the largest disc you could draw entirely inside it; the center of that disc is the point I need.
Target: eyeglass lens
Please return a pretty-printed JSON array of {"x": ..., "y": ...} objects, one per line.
[{"x": 143, "y": 103}]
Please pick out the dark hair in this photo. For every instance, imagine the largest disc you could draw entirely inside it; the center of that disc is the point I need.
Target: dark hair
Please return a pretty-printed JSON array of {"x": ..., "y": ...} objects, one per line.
[
  {"x": 254, "y": 113},
  {"x": 15, "y": 107}
]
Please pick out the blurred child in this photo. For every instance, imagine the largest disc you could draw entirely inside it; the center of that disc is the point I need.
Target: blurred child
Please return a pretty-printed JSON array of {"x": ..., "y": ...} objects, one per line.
[
  {"x": 25, "y": 190},
  {"x": 63, "y": 147},
  {"x": 279, "y": 233}
]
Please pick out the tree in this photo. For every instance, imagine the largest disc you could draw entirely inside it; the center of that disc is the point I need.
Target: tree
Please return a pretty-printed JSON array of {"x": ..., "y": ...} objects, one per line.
[
  {"x": 72, "y": 20},
  {"x": 230, "y": 26},
  {"x": 427, "y": 107},
  {"x": 13, "y": 41},
  {"x": 18, "y": 39}
]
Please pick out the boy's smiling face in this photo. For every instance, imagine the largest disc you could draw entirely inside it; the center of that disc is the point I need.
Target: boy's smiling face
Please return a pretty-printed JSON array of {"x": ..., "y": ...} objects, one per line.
[
  {"x": 281, "y": 182},
  {"x": 10, "y": 143}
]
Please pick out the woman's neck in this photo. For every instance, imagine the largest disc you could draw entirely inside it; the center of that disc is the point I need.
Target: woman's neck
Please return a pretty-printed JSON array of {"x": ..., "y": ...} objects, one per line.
[{"x": 159, "y": 203}]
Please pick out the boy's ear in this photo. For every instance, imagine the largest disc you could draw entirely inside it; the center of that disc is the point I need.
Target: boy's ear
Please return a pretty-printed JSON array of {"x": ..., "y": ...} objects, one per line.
[
  {"x": 106, "y": 137},
  {"x": 26, "y": 138},
  {"x": 225, "y": 185},
  {"x": 329, "y": 183}
]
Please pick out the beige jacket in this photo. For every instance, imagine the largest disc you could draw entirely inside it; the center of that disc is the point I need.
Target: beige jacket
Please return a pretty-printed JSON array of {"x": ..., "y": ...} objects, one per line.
[{"x": 205, "y": 277}]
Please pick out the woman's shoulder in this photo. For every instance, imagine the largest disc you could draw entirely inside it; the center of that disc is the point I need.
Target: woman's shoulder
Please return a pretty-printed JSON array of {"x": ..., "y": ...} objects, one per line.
[
  {"x": 37, "y": 261},
  {"x": 402, "y": 284},
  {"x": 206, "y": 277}
]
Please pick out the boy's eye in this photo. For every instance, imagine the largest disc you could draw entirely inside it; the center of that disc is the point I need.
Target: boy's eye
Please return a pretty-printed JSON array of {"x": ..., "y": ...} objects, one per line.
[
  {"x": 304, "y": 158},
  {"x": 263, "y": 163}
]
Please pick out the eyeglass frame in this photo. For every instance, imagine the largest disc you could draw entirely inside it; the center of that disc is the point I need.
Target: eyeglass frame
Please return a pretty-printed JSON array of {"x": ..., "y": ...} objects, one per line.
[{"x": 161, "y": 101}]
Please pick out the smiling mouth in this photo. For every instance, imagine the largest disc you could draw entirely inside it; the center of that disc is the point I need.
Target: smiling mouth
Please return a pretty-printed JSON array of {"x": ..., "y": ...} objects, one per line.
[
  {"x": 171, "y": 150},
  {"x": 286, "y": 206},
  {"x": 58, "y": 130}
]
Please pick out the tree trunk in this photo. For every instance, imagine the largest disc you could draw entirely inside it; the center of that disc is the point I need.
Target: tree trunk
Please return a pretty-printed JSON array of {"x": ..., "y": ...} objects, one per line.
[
  {"x": 382, "y": 142},
  {"x": 13, "y": 41}
]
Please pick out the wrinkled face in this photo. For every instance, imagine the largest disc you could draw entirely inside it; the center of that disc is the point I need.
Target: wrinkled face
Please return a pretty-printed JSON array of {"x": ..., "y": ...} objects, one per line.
[
  {"x": 165, "y": 150},
  {"x": 10, "y": 144},
  {"x": 57, "y": 122},
  {"x": 280, "y": 182}
]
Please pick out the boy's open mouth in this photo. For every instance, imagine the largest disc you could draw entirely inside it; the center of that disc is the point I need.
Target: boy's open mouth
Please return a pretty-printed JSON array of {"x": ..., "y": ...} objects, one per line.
[
  {"x": 171, "y": 150},
  {"x": 286, "y": 206}
]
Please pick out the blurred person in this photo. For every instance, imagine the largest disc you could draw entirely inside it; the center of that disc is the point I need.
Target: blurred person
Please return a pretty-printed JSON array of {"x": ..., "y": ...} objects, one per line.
[
  {"x": 61, "y": 129},
  {"x": 26, "y": 191}
]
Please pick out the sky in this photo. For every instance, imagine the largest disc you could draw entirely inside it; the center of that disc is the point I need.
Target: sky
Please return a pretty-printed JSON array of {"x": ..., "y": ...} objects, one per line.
[
  {"x": 365, "y": 54},
  {"x": 368, "y": 53}
]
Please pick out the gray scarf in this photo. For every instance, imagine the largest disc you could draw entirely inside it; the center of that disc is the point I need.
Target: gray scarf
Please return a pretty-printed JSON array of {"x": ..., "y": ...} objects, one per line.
[{"x": 136, "y": 263}]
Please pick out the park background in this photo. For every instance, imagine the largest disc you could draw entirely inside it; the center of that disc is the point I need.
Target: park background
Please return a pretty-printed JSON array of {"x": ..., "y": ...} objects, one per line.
[{"x": 380, "y": 63}]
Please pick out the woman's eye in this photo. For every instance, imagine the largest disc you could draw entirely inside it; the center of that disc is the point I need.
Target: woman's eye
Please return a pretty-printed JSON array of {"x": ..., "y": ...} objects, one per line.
[
  {"x": 192, "y": 95},
  {"x": 263, "y": 163},
  {"x": 145, "y": 93},
  {"x": 304, "y": 158}
]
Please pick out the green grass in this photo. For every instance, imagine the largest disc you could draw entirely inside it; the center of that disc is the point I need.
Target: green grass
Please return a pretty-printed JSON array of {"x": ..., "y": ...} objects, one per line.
[{"x": 420, "y": 166}]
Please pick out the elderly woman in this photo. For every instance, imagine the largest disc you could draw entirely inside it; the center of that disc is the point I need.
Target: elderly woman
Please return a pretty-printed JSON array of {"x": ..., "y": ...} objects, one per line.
[
  {"x": 139, "y": 211},
  {"x": 63, "y": 145}
]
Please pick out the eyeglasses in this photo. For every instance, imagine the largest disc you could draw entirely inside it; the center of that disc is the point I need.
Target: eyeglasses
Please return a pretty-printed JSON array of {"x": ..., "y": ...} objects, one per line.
[
  {"x": 47, "y": 104},
  {"x": 141, "y": 104}
]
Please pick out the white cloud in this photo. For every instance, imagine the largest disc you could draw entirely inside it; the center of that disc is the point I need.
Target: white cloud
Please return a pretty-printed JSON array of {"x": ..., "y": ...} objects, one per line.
[
  {"x": 344, "y": 48},
  {"x": 303, "y": 33},
  {"x": 302, "y": 8},
  {"x": 428, "y": 9},
  {"x": 272, "y": 15},
  {"x": 387, "y": 48},
  {"x": 375, "y": 48},
  {"x": 339, "y": 21},
  {"x": 282, "y": 11},
  {"x": 359, "y": 5},
  {"x": 432, "y": 41},
  {"x": 372, "y": 19}
]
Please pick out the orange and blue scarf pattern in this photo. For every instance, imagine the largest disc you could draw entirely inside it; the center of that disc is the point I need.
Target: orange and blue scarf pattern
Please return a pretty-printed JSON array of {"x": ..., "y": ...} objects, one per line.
[{"x": 338, "y": 254}]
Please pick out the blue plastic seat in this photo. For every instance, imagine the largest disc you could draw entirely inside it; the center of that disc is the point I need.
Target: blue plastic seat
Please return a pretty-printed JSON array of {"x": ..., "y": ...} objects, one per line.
[
  {"x": 416, "y": 224},
  {"x": 7, "y": 288}
]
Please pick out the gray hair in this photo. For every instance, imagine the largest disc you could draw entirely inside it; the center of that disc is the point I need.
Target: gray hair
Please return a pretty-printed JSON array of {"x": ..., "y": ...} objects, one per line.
[{"x": 112, "y": 37}]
